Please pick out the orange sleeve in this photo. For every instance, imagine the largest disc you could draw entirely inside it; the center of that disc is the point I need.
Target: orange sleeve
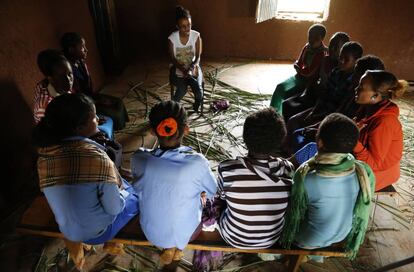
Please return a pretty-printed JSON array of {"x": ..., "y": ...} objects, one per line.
[{"x": 377, "y": 146}]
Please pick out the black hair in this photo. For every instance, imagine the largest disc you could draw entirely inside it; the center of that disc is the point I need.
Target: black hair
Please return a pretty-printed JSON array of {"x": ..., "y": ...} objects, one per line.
[
  {"x": 352, "y": 48},
  {"x": 338, "y": 133},
  {"x": 317, "y": 29},
  {"x": 48, "y": 59},
  {"x": 264, "y": 132},
  {"x": 167, "y": 109},
  {"x": 69, "y": 40},
  {"x": 63, "y": 116},
  {"x": 368, "y": 62},
  {"x": 338, "y": 38},
  {"x": 181, "y": 13},
  {"x": 386, "y": 84}
]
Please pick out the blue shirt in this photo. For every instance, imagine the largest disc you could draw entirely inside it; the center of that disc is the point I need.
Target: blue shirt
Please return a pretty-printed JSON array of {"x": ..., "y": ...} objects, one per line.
[
  {"x": 169, "y": 184},
  {"x": 83, "y": 211},
  {"x": 331, "y": 202}
]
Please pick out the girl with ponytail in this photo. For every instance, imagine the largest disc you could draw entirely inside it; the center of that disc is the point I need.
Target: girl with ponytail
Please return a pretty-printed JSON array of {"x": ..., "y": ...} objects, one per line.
[{"x": 380, "y": 143}]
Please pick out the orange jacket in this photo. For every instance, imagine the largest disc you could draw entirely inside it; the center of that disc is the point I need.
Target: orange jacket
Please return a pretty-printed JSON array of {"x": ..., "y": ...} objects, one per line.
[{"x": 380, "y": 143}]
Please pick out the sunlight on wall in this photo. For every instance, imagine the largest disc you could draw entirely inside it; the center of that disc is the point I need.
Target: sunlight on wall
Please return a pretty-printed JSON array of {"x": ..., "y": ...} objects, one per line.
[
  {"x": 312, "y": 10},
  {"x": 309, "y": 10}
]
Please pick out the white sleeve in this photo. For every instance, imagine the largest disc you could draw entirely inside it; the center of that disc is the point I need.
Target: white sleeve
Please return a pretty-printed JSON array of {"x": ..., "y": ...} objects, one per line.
[{"x": 172, "y": 37}]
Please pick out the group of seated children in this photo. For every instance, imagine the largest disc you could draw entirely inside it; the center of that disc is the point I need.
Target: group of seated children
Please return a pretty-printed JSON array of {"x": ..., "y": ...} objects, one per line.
[
  {"x": 348, "y": 83},
  {"x": 66, "y": 72},
  {"x": 348, "y": 125}
]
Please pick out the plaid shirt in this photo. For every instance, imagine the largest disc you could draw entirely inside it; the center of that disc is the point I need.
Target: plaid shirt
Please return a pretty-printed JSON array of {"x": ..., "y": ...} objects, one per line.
[{"x": 75, "y": 162}]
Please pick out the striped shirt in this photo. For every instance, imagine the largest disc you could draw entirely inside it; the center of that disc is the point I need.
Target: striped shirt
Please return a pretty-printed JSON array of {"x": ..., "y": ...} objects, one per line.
[
  {"x": 44, "y": 93},
  {"x": 257, "y": 194}
]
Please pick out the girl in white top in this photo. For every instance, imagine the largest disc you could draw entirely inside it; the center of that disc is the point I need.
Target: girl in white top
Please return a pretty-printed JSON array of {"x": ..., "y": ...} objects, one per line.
[{"x": 185, "y": 50}]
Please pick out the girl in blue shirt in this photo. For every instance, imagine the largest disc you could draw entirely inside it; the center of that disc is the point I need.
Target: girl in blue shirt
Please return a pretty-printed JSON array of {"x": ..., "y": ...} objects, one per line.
[
  {"x": 169, "y": 182},
  {"x": 90, "y": 200}
]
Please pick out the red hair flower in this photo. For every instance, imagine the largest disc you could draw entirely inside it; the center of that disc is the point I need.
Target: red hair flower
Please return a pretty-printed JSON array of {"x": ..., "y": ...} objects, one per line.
[{"x": 167, "y": 127}]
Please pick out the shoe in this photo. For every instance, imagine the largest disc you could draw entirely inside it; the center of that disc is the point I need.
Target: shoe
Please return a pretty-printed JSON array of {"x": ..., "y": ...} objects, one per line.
[
  {"x": 76, "y": 253},
  {"x": 167, "y": 255},
  {"x": 178, "y": 255},
  {"x": 86, "y": 247},
  {"x": 114, "y": 248}
]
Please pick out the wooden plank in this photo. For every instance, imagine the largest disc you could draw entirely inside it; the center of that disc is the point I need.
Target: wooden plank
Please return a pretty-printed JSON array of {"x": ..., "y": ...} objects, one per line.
[{"x": 39, "y": 220}]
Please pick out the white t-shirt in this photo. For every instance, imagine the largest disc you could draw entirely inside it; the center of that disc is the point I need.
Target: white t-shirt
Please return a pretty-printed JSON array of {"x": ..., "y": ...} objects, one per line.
[{"x": 184, "y": 53}]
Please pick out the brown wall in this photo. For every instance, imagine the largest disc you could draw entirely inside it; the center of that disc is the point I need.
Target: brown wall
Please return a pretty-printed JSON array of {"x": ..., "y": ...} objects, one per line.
[
  {"x": 26, "y": 28},
  {"x": 144, "y": 27},
  {"x": 227, "y": 27}
]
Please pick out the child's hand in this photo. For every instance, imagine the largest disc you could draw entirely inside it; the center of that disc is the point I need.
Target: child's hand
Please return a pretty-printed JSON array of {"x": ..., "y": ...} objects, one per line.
[
  {"x": 194, "y": 71},
  {"x": 101, "y": 120},
  {"x": 99, "y": 137},
  {"x": 361, "y": 125},
  {"x": 297, "y": 68},
  {"x": 203, "y": 197}
]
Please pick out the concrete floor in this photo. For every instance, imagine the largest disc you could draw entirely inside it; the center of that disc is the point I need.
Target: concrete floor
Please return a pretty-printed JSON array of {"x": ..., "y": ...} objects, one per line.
[{"x": 388, "y": 243}]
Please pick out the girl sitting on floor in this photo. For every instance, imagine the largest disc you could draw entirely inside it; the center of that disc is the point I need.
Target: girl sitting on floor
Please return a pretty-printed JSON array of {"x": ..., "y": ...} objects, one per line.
[
  {"x": 90, "y": 200},
  {"x": 169, "y": 182},
  {"x": 380, "y": 143}
]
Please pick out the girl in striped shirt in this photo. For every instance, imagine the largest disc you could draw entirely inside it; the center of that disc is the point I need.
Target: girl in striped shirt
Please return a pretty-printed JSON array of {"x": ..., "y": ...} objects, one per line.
[
  {"x": 256, "y": 188},
  {"x": 58, "y": 80}
]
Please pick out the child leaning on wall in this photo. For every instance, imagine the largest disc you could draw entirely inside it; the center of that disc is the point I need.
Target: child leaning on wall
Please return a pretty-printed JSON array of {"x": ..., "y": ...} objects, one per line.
[{"x": 74, "y": 49}]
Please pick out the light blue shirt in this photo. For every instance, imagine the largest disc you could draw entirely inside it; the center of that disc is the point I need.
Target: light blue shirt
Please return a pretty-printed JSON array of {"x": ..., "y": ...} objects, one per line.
[
  {"x": 169, "y": 184},
  {"x": 83, "y": 211},
  {"x": 331, "y": 202}
]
